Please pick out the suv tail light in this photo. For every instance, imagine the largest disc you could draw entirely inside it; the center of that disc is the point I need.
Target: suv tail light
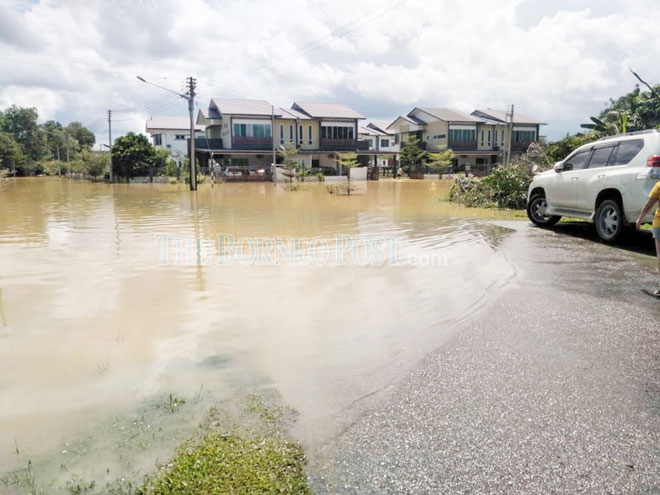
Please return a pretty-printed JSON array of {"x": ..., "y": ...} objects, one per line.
[{"x": 653, "y": 161}]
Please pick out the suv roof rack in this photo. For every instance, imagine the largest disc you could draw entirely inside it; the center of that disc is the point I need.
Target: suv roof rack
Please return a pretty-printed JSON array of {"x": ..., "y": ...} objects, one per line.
[{"x": 633, "y": 133}]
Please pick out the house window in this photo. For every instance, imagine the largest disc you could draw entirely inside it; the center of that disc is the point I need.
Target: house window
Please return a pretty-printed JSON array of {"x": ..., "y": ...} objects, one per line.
[
  {"x": 180, "y": 137},
  {"x": 300, "y": 135},
  {"x": 462, "y": 135},
  {"x": 281, "y": 134},
  {"x": 158, "y": 139},
  {"x": 482, "y": 137},
  {"x": 384, "y": 143},
  {"x": 291, "y": 133},
  {"x": 341, "y": 133},
  {"x": 309, "y": 134},
  {"x": 396, "y": 139},
  {"x": 488, "y": 137},
  {"x": 523, "y": 136},
  {"x": 251, "y": 130}
]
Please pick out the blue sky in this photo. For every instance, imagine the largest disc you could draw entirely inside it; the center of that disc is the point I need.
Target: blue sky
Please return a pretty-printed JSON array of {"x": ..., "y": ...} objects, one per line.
[{"x": 557, "y": 61}]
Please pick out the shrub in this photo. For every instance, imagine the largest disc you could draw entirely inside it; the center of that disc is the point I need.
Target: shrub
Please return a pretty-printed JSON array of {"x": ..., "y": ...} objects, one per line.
[{"x": 506, "y": 187}]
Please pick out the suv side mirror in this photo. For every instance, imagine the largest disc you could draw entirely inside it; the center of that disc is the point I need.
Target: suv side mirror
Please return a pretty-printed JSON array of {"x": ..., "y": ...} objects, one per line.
[{"x": 559, "y": 166}]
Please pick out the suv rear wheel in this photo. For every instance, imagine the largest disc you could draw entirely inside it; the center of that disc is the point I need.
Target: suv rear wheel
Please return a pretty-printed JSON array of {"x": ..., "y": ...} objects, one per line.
[
  {"x": 609, "y": 220},
  {"x": 535, "y": 212}
]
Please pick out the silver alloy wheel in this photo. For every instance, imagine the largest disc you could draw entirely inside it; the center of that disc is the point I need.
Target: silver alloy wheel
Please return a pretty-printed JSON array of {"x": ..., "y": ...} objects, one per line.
[
  {"x": 537, "y": 208},
  {"x": 609, "y": 221}
]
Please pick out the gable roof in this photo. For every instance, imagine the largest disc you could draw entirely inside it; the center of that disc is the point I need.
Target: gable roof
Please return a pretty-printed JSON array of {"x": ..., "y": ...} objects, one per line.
[
  {"x": 379, "y": 125},
  {"x": 242, "y": 107},
  {"x": 327, "y": 110},
  {"x": 407, "y": 119},
  {"x": 290, "y": 113},
  {"x": 171, "y": 122},
  {"x": 500, "y": 116},
  {"x": 448, "y": 114}
]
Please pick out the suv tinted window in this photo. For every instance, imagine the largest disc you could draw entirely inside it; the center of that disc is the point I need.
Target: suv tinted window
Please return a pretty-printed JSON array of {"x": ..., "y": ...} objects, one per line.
[
  {"x": 578, "y": 161},
  {"x": 627, "y": 151},
  {"x": 600, "y": 157}
]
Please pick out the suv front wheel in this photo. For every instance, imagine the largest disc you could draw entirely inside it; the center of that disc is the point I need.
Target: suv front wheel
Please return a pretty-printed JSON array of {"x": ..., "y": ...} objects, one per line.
[
  {"x": 609, "y": 220},
  {"x": 536, "y": 212}
]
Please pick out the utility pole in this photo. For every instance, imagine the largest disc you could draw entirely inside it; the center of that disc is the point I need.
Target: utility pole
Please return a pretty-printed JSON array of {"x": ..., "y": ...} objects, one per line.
[
  {"x": 192, "y": 83},
  {"x": 509, "y": 115},
  {"x": 68, "y": 164},
  {"x": 272, "y": 132},
  {"x": 110, "y": 141}
]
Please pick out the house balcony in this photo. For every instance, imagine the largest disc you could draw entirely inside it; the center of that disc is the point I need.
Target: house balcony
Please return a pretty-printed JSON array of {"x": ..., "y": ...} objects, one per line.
[
  {"x": 457, "y": 146},
  {"x": 341, "y": 144},
  {"x": 208, "y": 143},
  {"x": 252, "y": 143},
  {"x": 520, "y": 146}
]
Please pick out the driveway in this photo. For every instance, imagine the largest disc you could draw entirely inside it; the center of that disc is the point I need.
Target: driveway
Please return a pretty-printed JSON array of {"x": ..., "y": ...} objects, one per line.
[{"x": 553, "y": 387}]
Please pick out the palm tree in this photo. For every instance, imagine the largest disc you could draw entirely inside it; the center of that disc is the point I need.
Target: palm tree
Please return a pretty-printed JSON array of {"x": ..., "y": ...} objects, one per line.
[{"x": 614, "y": 123}]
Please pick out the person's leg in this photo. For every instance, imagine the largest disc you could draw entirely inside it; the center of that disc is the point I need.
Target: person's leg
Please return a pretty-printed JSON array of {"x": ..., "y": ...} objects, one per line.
[{"x": 657, "y": 253}]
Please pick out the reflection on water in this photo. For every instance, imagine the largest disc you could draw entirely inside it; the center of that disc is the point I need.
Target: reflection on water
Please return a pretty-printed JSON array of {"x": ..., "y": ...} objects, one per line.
[{"x": 94, "y": 324}]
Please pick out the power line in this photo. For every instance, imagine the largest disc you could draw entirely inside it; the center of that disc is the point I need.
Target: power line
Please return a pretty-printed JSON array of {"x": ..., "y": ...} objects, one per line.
[{"x": 315, "y": 45}]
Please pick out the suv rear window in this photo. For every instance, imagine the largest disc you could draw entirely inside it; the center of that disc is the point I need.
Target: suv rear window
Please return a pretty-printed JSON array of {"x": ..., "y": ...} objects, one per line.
[
  {"x": 626, "y": 151},
  {"x": 601, "y": 156}
]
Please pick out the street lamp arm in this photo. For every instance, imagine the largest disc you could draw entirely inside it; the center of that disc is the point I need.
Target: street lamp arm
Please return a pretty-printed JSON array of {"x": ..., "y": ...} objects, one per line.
[{"x": 161, "y": 87}]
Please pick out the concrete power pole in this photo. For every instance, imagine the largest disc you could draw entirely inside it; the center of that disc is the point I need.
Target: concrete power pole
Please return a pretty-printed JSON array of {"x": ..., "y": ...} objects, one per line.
[
  {"x": 272, "y": 132},
  {"x": 509, "y": 116},
  {"x": 110, "y": 141},
  {"x": 192, "y": 83}
]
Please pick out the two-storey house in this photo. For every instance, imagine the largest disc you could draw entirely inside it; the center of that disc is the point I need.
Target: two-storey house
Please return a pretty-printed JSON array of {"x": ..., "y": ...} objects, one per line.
[
  {"x": 244, "y": 134},
  {"x": 524, "y": 130},
  {"x": 380, "y": 143},
  {"x": 478, "y": 140},
  {"x": 172, "y": 134}
]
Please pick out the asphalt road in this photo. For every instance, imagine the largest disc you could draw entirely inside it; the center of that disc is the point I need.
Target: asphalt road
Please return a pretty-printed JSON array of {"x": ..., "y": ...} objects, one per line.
[{"x": 552, "y": 387}]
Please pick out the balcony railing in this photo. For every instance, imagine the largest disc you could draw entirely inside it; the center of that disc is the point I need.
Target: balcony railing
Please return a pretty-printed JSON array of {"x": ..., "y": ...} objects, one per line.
[
  {"x": 208, "y": 144},
  {"x": 363, "y": 145},
  {"x": 520, "y": 145},
  {"x": 339, "y": 145},
  {"x": 463, "y": 145},
  {"x": 252, "y": 143}
]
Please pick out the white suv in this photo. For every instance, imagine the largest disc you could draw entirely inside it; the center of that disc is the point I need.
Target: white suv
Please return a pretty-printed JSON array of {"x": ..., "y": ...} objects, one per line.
[{"x": 606, "y": 181}]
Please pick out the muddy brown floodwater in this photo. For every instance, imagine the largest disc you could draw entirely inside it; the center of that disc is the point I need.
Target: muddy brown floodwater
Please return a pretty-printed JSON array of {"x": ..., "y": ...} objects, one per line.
[{"x": 96, "y": 320}]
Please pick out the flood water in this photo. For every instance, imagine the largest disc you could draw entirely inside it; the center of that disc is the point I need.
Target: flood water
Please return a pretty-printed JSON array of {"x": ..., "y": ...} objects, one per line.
[{"x": 95, "y": 321}]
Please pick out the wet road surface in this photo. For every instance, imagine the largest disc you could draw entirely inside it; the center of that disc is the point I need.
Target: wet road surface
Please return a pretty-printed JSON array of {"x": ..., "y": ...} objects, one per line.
[{"x": 550, "y": 388}]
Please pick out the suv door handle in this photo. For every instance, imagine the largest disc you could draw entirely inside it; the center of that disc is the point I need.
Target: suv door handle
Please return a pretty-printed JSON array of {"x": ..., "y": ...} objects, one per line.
[
  {"x": 574, "y": 178},
  {"x": 601, "y": 176}
]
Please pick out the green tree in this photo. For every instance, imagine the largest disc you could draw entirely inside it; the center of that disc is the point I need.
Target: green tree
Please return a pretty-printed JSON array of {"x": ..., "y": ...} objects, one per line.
[
  {"x": 95, "y": 163},
  {"x": 132, "y": 155},
  {"x": 347, "y": 161},
  {"x": 441, "y": 162},
  {"x": 412, "y": 156},
  {"x": 641, "y": 107},
  {"x": 84, "y": 138},
  {"x": 290, "y": 163},
  {"x": 12, "y": 156},
  {"x": 22, "y": 124},
  {"x": 55, "y": 139},
  {"x": 614, "y": 122}
]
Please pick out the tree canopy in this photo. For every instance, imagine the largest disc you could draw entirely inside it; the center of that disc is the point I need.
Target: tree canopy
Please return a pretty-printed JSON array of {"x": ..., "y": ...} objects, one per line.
[
  {"x": 133, "y": 155},
  {"x": 411, "y": 154},
  {"x": 25, "y": 143}
]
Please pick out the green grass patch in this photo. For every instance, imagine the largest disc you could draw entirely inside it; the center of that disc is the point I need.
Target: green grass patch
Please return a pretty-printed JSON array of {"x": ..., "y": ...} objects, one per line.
[
  {"x": 234, "y": 463},
  {"x": 251, "y": 453}
]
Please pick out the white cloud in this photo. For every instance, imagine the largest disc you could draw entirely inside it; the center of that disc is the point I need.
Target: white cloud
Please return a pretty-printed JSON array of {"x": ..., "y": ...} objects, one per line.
[{"x": 559, "y": 62}]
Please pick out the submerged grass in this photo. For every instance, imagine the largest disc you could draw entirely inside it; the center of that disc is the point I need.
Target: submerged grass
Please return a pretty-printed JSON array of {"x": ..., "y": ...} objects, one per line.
[
  {"x": 251, "y": 455},
  {"x": 234, "y": 463},
  {"x": 242, "y": 446}
]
